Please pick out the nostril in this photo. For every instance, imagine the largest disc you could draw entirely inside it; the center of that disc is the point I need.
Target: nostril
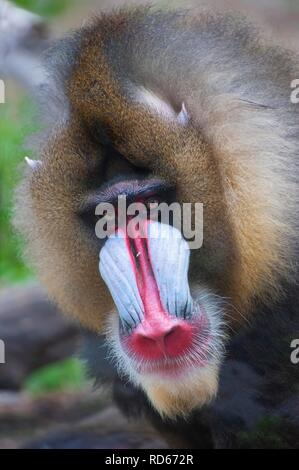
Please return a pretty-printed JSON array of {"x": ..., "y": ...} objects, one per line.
[
  {"x": 173, "y": 334},
  {"x": 170, "y": 332},
  {"x": 146, "y": 341},
  {"x": 178, "y": 339}
]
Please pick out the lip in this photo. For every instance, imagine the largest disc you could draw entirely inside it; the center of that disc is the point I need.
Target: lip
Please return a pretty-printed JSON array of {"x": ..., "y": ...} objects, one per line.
[
  {"x": 171, "y": 370},
  {"x": 132, "y": 189}
]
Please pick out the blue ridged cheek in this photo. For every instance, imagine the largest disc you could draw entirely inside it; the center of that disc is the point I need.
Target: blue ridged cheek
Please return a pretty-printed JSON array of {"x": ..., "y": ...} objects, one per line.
[
  {"x": 170, "y": 255},
  {"x": 117, "y": 271}
]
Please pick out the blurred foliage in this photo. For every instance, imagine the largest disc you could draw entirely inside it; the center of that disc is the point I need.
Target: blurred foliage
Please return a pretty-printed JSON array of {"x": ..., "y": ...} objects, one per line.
[
  {"x": 46, "y": 8},
  {"x": 270, "y": 433},
  {"x": 16, "y": 122},
  {"x": 65, "y": 375}
]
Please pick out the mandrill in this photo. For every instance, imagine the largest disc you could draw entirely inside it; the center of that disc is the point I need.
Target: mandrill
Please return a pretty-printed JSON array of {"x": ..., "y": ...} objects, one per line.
[{"x": 175, "y": 107}]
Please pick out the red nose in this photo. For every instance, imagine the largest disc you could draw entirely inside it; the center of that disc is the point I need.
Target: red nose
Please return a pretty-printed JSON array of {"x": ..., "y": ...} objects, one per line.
[{"x": 169, "y": 338}]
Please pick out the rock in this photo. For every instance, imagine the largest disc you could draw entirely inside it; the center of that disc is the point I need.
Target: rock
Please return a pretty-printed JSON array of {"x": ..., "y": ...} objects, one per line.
[{"x": 34, "y": 334}]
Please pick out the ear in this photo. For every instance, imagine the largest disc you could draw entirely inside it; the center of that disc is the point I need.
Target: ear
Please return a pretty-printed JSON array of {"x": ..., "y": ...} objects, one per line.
[
  {"x": 34, "y": 164},
  {"x": 183, "y": 117},
  {"x": 162, "y": 107}
]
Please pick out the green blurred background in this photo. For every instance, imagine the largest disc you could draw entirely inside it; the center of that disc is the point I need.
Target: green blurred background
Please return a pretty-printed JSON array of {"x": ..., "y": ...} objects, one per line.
[{"x": 18, "y": 121}]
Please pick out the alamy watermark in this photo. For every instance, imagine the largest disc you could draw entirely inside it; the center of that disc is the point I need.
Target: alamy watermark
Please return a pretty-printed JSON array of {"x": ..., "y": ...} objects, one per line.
[
  {"x": 2, "y": 92},
  {"x": 2, "y": 352},
  {"x": 295, "y": 352},
  {"x": 295, "y": 92},
  {"x": 128, "y": 220}
]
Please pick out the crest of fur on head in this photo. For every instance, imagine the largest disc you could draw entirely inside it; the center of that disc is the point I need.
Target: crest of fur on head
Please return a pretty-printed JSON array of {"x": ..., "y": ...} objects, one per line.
[{"x": 199, "y": 100}]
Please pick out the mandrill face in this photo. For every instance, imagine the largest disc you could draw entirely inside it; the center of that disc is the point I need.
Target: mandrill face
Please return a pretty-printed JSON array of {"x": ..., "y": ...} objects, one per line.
[
  {"x": 155, "y": 107},
  {"x": 165, "y": 334},
  {"x": 165, "y": 339}
]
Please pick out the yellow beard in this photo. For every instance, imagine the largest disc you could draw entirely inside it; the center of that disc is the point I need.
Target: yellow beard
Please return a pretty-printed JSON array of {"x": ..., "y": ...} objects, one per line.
[{"x": 172, "y": 398}]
